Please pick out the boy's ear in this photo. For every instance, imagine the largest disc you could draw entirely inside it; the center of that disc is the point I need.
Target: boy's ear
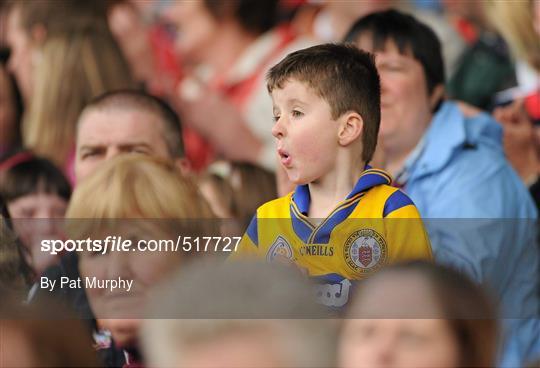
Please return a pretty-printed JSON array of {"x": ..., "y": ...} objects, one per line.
[{"x": 350, "y": 128}]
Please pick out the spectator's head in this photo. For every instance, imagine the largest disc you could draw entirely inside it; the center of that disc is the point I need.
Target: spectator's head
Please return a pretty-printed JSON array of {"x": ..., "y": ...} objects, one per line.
[
  {"x": 127, "y": 122},
  {"x": 132, "y": 33},
  {"x": 201, "y": 23},
  {"x": 156, "y": 197},
  {"x": 252, "y": 187},
  {"x": 410, "y": 64},
  {"x": 326, "y": 101},
  {"x": 237, "y": 315},
  {"x": 92, "y": 62},
  {"x": 419, "y": 315},
  {"x": 31, "y": 22},
  {"x": 11, "y": 108},
  {"x": 36, "y": 193},
  {"x": 219, "y": 194},
  {"x": 237, "y": 189}
]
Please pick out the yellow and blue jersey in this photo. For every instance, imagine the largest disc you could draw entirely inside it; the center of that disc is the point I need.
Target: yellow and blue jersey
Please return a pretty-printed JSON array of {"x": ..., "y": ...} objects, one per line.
[{"x": 376, "y": 224}]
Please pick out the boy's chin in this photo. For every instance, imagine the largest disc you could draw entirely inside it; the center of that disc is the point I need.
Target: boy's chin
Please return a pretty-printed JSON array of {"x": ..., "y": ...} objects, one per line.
[{"x": 298, "y": 180}]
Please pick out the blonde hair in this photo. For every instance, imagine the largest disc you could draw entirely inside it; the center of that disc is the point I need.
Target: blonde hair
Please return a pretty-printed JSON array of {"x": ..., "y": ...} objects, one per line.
[
  {"x": 514, "y": 20},
  {"x": 136, "y": 186},
  {"x": 73, "y": 68}
]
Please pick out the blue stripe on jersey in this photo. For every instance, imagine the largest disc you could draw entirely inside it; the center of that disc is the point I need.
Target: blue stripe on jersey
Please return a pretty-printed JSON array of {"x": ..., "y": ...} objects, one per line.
[
  {"x": 369, "y": 179},
  {"x": 397, "y": 200},
  {"x": 301, "y": 227},
  {"x": 302, "y": 198},
  {"x": 322, "y": 235},
  {"x": 252, "y": 231}
]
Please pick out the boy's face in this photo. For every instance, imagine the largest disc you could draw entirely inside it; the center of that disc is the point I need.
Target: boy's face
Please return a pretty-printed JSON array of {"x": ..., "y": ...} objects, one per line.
[{"x": 307, "y": 141}]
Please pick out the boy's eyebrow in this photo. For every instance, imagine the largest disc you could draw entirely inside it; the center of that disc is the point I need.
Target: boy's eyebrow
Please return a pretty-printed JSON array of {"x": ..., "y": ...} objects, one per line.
[
  {"x": 290, "y": 101},
  {"x": 296, "y": 101}
]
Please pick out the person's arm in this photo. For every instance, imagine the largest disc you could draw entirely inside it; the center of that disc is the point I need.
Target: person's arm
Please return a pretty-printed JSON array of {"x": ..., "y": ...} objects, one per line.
[
  {"x": 220, "y": 122},
  {"x": 520, "y": 143},
  {"x": 488, "y": 232}
]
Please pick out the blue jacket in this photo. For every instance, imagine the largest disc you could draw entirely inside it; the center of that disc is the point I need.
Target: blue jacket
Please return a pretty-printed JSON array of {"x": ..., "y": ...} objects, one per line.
[{"x": 480, "y": 218}]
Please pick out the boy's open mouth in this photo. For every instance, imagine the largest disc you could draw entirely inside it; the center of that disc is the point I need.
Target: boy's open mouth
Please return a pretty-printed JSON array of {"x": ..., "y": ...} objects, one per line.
[{"x": 284, "y": 157}]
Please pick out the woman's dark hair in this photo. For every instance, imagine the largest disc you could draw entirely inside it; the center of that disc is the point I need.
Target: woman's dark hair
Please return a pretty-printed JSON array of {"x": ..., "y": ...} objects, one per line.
[
  {"x": 255, "y": 16},
  {"x": 470, "y": 314},
  {"x": 22, "y": 174}
]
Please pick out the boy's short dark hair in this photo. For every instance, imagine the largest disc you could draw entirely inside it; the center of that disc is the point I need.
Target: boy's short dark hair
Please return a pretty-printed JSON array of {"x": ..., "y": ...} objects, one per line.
[
  {"x": 408, "y": 34},
  {"x": 141, "y": 101},
  {"x": 342, "y": 75}
]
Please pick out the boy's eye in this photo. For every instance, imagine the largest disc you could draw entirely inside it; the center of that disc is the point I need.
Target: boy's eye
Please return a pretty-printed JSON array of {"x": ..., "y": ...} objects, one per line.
[
  {"x": 276, "y": 118},
  {"x": 296, "y": 113}
]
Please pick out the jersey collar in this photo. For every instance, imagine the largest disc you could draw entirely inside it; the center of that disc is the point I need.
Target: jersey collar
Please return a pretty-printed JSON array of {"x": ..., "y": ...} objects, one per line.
[
  {"x": 320, "y": 234},
  {"x": 370, "y": 178}
]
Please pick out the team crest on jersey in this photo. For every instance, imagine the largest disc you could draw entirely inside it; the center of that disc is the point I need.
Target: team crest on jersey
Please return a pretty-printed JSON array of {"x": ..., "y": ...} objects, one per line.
[
  {"x": 280, "y": 251},
  {"x": 365, "y": 250}
]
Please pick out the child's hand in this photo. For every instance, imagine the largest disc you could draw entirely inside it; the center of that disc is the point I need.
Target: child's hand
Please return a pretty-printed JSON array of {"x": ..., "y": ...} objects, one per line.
[{"x": 519, "y": 140}]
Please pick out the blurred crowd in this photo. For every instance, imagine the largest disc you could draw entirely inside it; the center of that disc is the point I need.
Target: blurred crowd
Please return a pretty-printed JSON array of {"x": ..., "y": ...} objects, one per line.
[{"x": 159, "y": 109}]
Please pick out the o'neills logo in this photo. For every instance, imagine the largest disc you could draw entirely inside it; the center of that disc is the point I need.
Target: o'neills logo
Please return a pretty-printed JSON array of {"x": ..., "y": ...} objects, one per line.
[
  {"x": 365, "y": 250},
  {"x": 317, "y": 250}
]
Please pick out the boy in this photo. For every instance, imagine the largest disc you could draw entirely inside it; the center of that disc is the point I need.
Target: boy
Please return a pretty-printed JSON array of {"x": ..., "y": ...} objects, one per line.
[{"x": 327, "y": 110}]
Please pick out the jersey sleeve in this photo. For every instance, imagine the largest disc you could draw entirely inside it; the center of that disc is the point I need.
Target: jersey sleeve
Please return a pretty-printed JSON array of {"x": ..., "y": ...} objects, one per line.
[
  {"x": 248, "y": 246},
  {"x": 405, "y": 229}
]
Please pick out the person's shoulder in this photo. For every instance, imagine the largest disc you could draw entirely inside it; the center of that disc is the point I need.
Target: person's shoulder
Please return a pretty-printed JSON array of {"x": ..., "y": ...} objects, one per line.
[
  {"x": 396, "y": 200},
  {"x": 390, "y": 199},
  {"x": 480, "y": 183}
]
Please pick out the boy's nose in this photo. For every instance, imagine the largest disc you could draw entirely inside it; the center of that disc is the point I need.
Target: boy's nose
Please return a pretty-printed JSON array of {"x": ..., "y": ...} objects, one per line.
[{"x": 277, "y": 129}]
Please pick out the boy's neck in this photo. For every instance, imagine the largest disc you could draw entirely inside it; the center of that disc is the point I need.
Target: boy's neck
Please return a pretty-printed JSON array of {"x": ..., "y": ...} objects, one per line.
[{"x": 328, "y": 191}]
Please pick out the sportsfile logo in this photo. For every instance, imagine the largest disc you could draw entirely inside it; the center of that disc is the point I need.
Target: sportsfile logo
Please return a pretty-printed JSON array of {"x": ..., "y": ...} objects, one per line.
[{"x": 114, "y": 243}]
